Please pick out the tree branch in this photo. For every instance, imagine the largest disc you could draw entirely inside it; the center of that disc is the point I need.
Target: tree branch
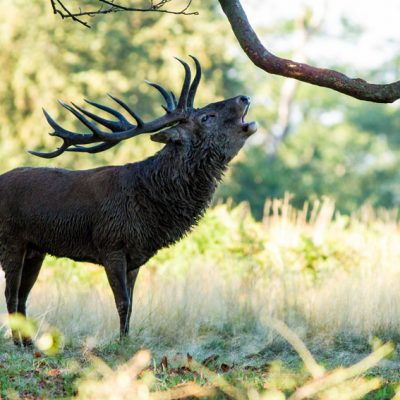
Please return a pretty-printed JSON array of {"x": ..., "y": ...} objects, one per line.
[
  {"x": 262, "y": 58},
  {"x": 63, "y": 11}
]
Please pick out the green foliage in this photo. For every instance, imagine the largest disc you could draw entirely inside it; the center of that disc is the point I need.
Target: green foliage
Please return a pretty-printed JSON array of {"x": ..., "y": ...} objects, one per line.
[
  {"x": 223, "y": 232},
  {"x": 352, "y": 162},
  {"x": 337, "y": 146}
]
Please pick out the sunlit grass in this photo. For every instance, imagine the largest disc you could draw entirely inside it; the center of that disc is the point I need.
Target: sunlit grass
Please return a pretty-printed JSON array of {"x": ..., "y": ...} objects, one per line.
[{"x": 334, "y": 280}]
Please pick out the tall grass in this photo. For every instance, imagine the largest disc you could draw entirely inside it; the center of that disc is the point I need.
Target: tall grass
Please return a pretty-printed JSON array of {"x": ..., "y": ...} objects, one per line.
[{"x": 322, "y": 273}]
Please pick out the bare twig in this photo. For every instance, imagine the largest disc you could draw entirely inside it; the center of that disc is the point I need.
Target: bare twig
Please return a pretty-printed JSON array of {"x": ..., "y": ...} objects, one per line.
[
  {"x": 153, "y": 7},
  {"x": 68, "y": 14},
  {"x": 63, "y": 11},
  {"x": 261, "y": 57},
  {"x": 53, "y": 5},
  {"x": 340, "y": 375}
]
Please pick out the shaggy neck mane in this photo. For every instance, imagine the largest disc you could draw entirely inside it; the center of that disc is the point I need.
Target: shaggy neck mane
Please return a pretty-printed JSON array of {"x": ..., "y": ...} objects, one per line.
[
  {"x": 178, "y": 186},
  {"x": 186, "y": 177}
]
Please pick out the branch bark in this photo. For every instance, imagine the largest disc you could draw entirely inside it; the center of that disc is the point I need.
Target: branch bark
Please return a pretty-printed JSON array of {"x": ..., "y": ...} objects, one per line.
[{"x": 262, "y": 58}]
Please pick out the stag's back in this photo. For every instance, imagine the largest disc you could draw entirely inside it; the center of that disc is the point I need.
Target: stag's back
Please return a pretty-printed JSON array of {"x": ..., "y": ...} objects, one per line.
[{"x": 56, "y": 210}]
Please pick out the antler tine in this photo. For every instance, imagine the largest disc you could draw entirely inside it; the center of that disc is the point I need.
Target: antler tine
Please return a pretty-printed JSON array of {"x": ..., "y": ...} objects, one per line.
[
  {"x": 174, "y": 99},
  {"x": 182, "y": 103},
  {"x": 52, "y": 154},
  {"x": 112, "y": 125},
  {"x": 167, "y": 97},
  {"x": 72, "y": 137},
  {"x": 81, "y": 118},
  {"x": 58, "y": 129},
  {"x": 110, "y": 110},
  {"x": 138, "y": 120},
  {"x": 94, "y": 149},
  {"x": 195, "y": 83}
]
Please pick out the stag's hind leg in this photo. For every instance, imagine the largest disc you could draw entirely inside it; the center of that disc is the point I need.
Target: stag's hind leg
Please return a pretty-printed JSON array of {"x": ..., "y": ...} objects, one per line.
[
  {"x": 30, "y": 272},
  {"x": 12, "y": 259}
]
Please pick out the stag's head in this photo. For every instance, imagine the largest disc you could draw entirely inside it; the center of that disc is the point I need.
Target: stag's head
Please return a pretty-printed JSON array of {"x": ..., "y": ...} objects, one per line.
[{"x": 219, "y": 128}]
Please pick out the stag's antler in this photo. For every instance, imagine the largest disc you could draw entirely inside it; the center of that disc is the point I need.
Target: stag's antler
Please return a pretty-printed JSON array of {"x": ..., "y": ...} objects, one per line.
[{"x": 175, "y": 111}]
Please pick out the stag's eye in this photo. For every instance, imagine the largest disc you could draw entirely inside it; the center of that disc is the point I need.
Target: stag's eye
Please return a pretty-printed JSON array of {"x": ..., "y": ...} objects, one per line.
[{"x": 207, "y": 117}]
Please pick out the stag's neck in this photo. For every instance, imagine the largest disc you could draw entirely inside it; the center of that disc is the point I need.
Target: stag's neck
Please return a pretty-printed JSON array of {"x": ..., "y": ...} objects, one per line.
[
  {"x": 176, "y": 188},
  {"x": 188, "y": 178}
]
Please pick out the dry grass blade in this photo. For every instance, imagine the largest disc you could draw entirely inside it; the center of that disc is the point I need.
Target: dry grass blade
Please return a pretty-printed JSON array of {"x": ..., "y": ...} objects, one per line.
[
  {"x": 316, "y": 370},
  {"x": 354, "y": 390},
  {"x": 123, "y": 383},
  {"x": 184, "y": 391},
  {"x": 343, "y": 374},
  {"x": 397, "y": 395}
]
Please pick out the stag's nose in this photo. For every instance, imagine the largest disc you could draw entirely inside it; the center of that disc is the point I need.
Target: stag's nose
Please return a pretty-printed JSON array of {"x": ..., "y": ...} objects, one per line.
[{"x": 245, "y": 99}]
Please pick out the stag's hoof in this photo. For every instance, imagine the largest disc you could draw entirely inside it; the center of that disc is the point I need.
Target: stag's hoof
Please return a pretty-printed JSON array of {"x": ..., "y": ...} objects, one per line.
[
  {"x": 17, "y": 342},
  {"x": 27, "y": 342}
]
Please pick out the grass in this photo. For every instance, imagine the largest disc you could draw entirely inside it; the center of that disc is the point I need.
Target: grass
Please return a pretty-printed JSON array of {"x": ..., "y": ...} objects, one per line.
[
  {"x": 334, "y": 281},
  {"x": 89, "y": 373}
]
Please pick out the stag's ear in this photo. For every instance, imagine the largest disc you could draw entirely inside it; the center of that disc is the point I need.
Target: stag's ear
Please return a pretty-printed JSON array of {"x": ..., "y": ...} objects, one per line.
[{"x": 171, "y": 135}]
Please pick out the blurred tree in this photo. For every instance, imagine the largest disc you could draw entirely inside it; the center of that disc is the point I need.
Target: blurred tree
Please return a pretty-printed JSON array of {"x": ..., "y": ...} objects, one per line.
[
  {"x": 338, "y": 161},
  {"x": 44, "y": 60},
  {"x": 337, "y": 147},
  {"x": 344, "y": 149}
]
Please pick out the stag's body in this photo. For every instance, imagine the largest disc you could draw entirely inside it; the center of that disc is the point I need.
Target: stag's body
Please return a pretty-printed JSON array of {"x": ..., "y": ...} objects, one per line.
[
  {"x": 135, "y": 209},
  {"x": 117, "y": 216}
]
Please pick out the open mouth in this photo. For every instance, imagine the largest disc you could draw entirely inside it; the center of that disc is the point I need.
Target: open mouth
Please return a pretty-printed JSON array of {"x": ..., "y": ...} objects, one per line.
[
  {"x": 245, "y": 113},
  {"x": 248, "y": 127}
]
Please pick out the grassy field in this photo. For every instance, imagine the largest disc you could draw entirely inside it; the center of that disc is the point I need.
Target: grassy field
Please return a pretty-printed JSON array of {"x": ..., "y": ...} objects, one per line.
[{"x": 207, "y": 308}]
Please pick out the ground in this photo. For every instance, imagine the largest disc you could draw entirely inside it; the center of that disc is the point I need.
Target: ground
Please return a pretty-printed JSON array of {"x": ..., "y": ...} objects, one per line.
[
  {"x": 30, "y": 374},
  {"x": 208, "y": 310}
]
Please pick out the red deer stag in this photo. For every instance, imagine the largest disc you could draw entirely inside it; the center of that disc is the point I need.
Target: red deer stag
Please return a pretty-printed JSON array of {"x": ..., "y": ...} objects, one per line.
[{"x": 118, "y": 216}]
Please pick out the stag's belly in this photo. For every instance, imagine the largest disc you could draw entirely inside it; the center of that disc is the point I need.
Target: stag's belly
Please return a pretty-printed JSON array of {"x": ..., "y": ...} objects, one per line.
[{"x": 64, "y": 236}]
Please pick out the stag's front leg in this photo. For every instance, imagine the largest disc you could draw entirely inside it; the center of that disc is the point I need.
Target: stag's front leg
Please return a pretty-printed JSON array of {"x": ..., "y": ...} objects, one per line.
[
  {"x": 12, "y": 263},
  {"x": 116, "y": 270},
  {"x": 131, "y": 276}
]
